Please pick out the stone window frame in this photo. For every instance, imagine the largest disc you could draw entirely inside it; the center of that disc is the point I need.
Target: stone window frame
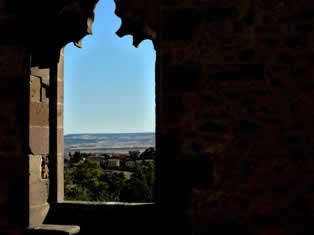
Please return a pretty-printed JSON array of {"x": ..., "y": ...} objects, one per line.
[
  {"x": 54, "y": 206},
  {"x": 56, "y": 140},
  {"x": 47, "y": 64}
]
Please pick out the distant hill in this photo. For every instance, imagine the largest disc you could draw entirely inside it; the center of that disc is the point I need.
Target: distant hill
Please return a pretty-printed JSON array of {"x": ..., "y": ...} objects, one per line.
[{"x": 108, "y": 143}]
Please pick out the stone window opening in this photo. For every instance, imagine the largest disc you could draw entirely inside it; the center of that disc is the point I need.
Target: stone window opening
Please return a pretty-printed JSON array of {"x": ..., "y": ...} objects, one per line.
[
  {"x": 48, "y": 66},
  {"x": 132, "y": 78}
]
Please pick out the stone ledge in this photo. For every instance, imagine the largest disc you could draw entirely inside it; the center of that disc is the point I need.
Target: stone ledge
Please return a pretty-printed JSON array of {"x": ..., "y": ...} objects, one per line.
[
  {"x": 53, "y": 229},
  {"x": 76, "y": 212},
  {"x": 107, "y": 203}
]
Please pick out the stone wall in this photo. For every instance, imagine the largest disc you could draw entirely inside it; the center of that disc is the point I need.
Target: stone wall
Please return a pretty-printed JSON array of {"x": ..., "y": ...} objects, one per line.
[
  {"x": 234, "y": 119},
  {"x": 14, "y": 90},
  {"x": 46, "y": 138},
  {"x": 56, "y": 133},
  {"x": 39, "y": 145},
  {"x": 25, "y": 120},
  {"x": 107, "y": 218},
  {"x": 236, "y": 100}
]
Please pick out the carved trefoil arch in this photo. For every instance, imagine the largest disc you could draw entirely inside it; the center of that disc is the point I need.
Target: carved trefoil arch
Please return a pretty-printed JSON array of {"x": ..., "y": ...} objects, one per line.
[{"x": 66, "y": 21}]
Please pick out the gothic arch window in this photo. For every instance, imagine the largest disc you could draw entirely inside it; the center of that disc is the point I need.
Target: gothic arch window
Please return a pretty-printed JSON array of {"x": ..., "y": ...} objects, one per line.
[
  {"x": 108, "y": 72},
  {"x": 57, "y": 24},
  {"x": 73, "y": 22}
]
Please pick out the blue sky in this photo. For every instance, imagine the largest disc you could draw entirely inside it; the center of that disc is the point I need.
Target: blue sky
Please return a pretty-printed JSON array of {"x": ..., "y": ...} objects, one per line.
[{"x": 109, "y": 84}]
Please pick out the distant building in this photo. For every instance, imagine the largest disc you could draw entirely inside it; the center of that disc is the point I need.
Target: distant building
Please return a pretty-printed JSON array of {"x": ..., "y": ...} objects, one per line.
[
  {"x": 139, "y": 161},
  {"x": 119, "y": 155},
  {"x": 114, "y": 162},
  {"x": 149, "y": 161},
  {"x": 96, "y": 159},
  {"x": 130, "y": 164}
]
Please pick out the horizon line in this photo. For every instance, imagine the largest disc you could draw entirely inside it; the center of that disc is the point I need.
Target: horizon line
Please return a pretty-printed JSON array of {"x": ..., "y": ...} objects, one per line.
[{"x": 144, "y": 132}]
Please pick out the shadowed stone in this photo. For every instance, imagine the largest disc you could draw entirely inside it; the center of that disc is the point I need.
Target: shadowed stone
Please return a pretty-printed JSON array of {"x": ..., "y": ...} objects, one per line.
[{"x": 52, "y": 229}]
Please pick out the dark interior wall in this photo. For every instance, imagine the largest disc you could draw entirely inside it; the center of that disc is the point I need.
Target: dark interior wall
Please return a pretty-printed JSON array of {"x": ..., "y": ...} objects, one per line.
[
  {"x": 24, "y": 126},
  {"x": 14, "y": 90},
  {"x": 101, "y": 218},
  {"x": 236, "y": 100},
  {"x": 234, "y": 119}
]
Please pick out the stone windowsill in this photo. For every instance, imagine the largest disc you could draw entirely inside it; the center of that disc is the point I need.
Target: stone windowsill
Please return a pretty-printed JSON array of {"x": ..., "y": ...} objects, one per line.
[
  {"x": 118, "y": 204},
  {"x": 76, "y": 210},
  {"x": 53, "y": 229}
]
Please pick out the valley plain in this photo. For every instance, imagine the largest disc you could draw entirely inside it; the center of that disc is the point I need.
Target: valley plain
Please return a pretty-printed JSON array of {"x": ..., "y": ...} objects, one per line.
[{"x": 108, "y": 143}]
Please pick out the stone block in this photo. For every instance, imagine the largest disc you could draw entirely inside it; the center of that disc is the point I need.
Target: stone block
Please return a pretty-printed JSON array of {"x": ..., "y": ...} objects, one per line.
[
  {"x": 38, "y": 192},
  {"x": 39, "y": 114},
  {"x": 61, "y": 66},
  {"x": 45, "y": 81},
  {"x": 60, "y": 92},
  {"x": 35, "y": 168},
  {"x": 39, "y": 72},
  {"x": 60, "y": 140},
  {"x": 45, "y": 94},
  {"x": 35, "y": 89},
  {"x": 57, "y": 179},
  {"x": 13, "y": 61},
  {"x": 37, "y": 214},
  {"x": 39, "y": 140},
  {"x": 60, "y": 120}
]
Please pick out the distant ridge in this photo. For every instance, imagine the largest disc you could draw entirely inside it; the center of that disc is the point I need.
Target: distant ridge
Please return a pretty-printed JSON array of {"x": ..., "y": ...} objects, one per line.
[
  {"x": 118, "y": 133},
  {"x": 108, "y": 142}
]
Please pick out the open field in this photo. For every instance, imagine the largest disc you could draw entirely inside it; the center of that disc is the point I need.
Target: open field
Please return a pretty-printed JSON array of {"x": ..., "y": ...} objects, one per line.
[{"x": 108, "y": 143}]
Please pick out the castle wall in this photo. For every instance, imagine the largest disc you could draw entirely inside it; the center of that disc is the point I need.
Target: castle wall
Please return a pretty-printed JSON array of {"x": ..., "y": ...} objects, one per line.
[
  {"x": 236, "y": 120},
  {"x": 14, "y": 90}
]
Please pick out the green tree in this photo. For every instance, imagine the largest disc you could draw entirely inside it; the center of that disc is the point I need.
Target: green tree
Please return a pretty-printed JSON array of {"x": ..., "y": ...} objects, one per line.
[
  {"x": 107, "y": 156},
  {"x": 149, "y": 171},
  {"x": 139, "y": 187},
  {"x": 85, "y": 179},
  {"x": 116, "y": 182},
  {"x": 149, "y": 153},
  {"x": 134, "y": 155},
  {"x": 75, "y": 158}
]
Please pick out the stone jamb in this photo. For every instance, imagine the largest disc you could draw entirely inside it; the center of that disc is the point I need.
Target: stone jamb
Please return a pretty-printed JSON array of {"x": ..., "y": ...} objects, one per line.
[
  {"x": 55, "y": 86},
  {"x": 56, "y": 133}
]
